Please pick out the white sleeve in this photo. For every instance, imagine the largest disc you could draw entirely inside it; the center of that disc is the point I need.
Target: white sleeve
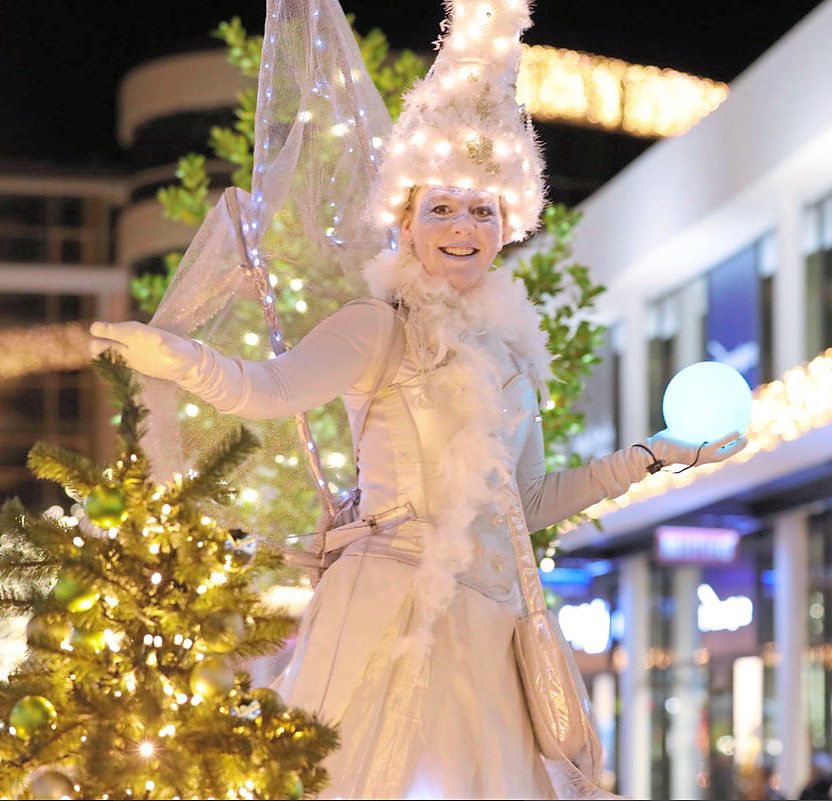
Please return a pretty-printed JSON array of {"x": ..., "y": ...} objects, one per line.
[
  {"x": 549, "y": 498},
  {"x": 341, "y": 354}
]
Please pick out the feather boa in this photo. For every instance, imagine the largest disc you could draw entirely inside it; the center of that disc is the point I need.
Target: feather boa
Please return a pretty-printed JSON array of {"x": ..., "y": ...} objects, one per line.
[{"x": 443, "y": 331}]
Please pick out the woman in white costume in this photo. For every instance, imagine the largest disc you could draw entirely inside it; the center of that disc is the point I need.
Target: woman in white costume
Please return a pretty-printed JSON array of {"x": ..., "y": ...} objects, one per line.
[{"x": 407, "y": 644}]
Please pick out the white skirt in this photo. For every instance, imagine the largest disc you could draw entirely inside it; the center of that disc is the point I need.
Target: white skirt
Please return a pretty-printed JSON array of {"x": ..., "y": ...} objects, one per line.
[{"x": 457, "y": 728}]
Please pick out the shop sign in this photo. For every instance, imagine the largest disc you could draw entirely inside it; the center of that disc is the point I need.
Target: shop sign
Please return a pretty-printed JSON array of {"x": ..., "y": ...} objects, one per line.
[
  {"x": 717, "y": 614},
  {"x": 696, "y": 545},
  {"x": 586, "y": 626},
  {"x": 727, "y": 610}
]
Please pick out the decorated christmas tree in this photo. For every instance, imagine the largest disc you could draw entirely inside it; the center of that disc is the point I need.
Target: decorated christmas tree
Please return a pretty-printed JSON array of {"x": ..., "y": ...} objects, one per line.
[{"x": 141, "y": 604}]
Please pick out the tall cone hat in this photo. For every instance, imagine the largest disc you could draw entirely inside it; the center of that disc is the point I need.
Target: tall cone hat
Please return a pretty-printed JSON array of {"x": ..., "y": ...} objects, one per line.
[{"x": 462, "y": 126}]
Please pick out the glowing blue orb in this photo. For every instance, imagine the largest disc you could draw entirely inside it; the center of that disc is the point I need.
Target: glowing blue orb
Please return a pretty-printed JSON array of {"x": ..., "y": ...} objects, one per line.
[{"x": 705, "y": 402}]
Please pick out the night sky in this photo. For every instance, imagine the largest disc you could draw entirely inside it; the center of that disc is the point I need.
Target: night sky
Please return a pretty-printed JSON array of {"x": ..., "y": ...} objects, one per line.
[{"x": 60, "y": 62}]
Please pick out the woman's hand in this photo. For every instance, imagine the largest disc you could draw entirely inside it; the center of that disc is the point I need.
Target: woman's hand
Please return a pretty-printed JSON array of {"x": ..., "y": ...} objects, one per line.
[
  {"x": 150, "y": 350},
  {"x": 674, "y": 451}
]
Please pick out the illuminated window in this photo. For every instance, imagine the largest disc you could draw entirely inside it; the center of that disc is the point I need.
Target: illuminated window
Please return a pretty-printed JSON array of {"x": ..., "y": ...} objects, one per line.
[
  {"x": 820, "y": 630},
  {"x": 738, "y": 329},
  {"x": 817, "y": 250},
  {"x": 55, "y": 229},
  {"x": 725, "y": 315},
  {"x": 675, "y": 335},
  {"x": 600, "y": 401}
]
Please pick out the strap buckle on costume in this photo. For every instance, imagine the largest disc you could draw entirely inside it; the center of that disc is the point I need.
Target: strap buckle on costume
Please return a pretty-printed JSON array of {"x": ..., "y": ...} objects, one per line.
[
  {"x": 341, "y": 537},
  {"x": 336, "y": 539}
]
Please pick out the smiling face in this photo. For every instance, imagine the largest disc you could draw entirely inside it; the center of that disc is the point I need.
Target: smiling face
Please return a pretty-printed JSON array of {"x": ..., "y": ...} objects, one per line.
[{"x": 456, "y": 233}]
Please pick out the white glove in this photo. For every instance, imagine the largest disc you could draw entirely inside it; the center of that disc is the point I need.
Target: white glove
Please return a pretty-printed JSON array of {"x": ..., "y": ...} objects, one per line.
[
  {"x": 150, "y": 350},
  {"x": 673, "y": 451}
]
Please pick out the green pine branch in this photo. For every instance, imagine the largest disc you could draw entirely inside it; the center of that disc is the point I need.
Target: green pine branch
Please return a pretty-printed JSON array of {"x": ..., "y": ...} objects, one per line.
[
  {"x": 210, "y": 480},
  {"x": 29, "y": 572},
  {"x": 19, "y": 600},
  {"x": 126, "y": 391},
  {"x": 23, "y": 535},
  {"x": 70, "y": 469},
  {"x": 267, "y": 634}
]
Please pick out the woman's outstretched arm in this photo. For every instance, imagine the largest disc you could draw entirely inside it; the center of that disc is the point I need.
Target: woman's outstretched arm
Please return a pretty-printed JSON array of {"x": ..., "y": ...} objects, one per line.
[
  {"x": 549, "y": 498},
  {"x": 341, "y": 354}
]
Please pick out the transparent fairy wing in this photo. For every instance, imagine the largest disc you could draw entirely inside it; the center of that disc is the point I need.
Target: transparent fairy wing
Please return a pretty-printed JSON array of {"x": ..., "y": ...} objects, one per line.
[{"x": 267, "y": 265}]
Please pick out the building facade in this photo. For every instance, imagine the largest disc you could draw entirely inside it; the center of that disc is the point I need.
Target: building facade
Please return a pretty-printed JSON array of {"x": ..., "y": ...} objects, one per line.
[
  {"x": 167, "y": 108},
  {"x": 70, "y": 242},
  {"x": 58, "y": 272},
  {"x": 700, "y": 610}
]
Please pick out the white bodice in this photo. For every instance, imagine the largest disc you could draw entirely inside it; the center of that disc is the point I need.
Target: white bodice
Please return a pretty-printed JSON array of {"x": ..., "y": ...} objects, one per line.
[{"x": 399, "y": 455}]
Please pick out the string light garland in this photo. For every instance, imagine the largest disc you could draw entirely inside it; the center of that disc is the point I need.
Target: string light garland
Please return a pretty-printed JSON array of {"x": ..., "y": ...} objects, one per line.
[
  {"x": 559, "y": 84},
  {"x": 781, "y": 411},
  {"x": 43, "y": 349}
]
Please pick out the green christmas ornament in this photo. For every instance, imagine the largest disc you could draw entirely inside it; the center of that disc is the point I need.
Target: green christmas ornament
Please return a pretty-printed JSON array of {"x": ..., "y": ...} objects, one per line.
[
  {"x": 211, "y": 677},
  {"x": 74, "y": 595},
  {"x": 223, "y": 630},
  {"x": 88, "y": 641},
  {"x": 43, "y": 631},
  {"x": 52, "y": 784},
  {"x": 30, "y": 714},
  {"x": 294, "y": 786},
  {"x": 270, "y": 702},
  {"x": 106, "y": 507}
]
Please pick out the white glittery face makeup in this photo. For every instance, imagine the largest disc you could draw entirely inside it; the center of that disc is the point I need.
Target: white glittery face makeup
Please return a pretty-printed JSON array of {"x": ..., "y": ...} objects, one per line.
[{"x": 456, "y": 233}]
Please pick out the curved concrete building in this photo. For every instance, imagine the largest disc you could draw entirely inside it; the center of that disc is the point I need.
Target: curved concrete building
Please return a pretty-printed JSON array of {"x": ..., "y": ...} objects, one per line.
[{"x": 166, "y": 108}]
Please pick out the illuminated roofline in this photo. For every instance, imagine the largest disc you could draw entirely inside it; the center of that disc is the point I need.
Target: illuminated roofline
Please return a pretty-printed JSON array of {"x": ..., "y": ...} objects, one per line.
[
  {"x": 781, "y": 411},
  {"x": 559, "y": 85}
]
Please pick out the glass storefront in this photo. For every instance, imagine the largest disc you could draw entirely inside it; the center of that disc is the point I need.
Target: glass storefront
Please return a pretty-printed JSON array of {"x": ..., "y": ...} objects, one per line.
[
  {"x": 710, "y": 667},
  {"x": 819, "y": 665},
  {"x": 817, "y": 250},
  {"x": 584, "y": 595}
]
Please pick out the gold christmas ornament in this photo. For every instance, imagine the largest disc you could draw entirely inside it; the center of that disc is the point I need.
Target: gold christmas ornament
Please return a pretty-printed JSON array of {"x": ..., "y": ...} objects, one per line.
[
  {"x": 43, "y": 631},
  {"x": 294, "y": 786},
  {"x": 211, "y": 677},
  {"x": 30, "y": 714},
  {"x": 88, "y": 641},
  {"x": 106, "y": 507},
  {"x": 223, "y": 630},
  {"x": 270, "y": 702},
  {"x": 51, "y": 784},
  {"x": 74, "y": 595}
]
